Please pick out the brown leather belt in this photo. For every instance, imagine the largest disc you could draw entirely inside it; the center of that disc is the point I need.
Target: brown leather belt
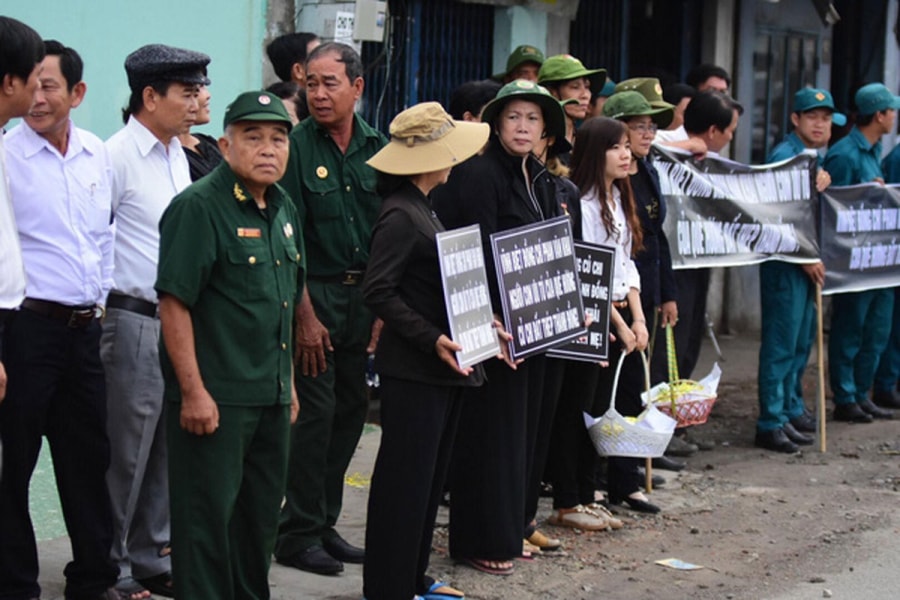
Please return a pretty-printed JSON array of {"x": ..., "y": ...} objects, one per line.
[
  {"x": 132, "y": 304},
  {"x": 75, "y": 317}
]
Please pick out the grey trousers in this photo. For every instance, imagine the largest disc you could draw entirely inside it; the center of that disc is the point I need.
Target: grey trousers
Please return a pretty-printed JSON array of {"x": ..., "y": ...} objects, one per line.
[{"x": 137, "y": 477}]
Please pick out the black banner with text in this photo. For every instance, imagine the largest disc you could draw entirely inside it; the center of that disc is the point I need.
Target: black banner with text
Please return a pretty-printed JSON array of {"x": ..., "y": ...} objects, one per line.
[{"x": 723, "y": 213}]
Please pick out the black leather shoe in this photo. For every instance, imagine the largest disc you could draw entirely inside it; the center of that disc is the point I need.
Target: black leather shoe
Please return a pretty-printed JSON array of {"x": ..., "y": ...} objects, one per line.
[
  {"x": 877, "y": 413},
  {"x": 795, "y": 436},
  {"x": 315, "y": 560},
  {"x": 886, "y": 398},
  {"x": 343, "y": 550},
  {"x": 636, "y": 504},
  {"x": 775, "y": 440},
  {"x": 667, "y": 464},
  {"x": 805, "y": 423},
  {"x": 851, "y": 413}
]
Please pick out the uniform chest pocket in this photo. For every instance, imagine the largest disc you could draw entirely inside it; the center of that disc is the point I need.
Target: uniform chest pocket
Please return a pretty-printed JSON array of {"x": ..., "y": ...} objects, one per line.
[
  {"x": 250, "y": 275},
  {"x": 323, "y": 199}
]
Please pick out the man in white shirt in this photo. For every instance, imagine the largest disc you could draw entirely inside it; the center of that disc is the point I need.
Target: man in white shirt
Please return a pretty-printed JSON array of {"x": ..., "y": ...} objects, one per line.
[
  {"x": 21, "y": 53},
  {"x": 149, "y": 169},
  {"x": 60, "y": 189}
]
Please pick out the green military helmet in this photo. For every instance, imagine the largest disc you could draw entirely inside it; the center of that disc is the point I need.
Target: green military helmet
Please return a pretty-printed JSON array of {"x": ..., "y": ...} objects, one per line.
[
  {"x": 522, "y": 89},
  {"x": 624, "y": 105}
]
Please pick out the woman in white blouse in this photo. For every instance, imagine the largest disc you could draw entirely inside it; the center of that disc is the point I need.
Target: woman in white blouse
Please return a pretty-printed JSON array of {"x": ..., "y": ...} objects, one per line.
[{"x": 600, "y": 165}]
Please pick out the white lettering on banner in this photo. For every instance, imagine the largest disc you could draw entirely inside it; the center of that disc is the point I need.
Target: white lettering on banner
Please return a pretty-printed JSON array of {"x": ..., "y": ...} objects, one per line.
[
  {"x": 874, "y": 256},
  {"x": 709, "y": 238},
  {"x": 546, "y": 327},
  {"x": 761, "y": 187},
  {"x": 865, "y": 220}
]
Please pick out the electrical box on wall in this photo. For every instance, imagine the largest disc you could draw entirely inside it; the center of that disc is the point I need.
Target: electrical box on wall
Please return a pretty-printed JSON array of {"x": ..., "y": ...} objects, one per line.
[
  {"x": 369, "y": 20},
  {"x": 348, "y": 22}
]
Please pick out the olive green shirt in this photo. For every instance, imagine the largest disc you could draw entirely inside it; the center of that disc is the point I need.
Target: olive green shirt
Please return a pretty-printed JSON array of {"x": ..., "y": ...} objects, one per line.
[
  {"x": 335, "y": 195},
  {"x": 240, "y": 271}
]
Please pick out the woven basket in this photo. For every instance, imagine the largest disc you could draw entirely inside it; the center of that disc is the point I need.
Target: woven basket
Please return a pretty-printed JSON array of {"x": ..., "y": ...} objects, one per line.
[
  {"x": 684, "y": 399},
  {"x": 612, "y": 435}
]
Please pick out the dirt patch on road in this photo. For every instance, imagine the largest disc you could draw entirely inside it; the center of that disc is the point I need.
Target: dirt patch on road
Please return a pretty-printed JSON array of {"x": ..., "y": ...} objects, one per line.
[{"x": 759, "y": 522}]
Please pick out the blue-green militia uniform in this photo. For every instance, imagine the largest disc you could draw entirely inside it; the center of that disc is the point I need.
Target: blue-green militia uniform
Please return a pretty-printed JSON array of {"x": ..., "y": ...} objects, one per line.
[
  {"x": 858, "y": 320},
  {"x": 239, "y": 270},
  {"x": 889, "y": 365},
  {"x": 336, "y": 199},
  {"x": 787, "y": 300}
]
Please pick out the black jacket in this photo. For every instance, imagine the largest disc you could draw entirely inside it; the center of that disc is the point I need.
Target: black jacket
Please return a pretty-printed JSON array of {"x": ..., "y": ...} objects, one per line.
[
  {"x": 491, "y": 190},
  {"x": 654, "y": 262},
  {"x": 403, "y": 287}
]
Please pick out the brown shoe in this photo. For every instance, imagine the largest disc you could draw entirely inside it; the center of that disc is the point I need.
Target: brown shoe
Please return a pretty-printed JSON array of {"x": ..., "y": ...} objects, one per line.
[{"x": 543, "y": 542}]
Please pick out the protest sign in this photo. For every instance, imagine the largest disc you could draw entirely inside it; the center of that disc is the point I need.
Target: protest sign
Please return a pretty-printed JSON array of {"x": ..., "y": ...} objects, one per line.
[
  {"x": 722, "y": 213},
  {"x": 595, "y": 274},
  {"x": 538, "y": 284},
  {"x": 466, "y": 295},
  {"x": 861, "y": 237}
]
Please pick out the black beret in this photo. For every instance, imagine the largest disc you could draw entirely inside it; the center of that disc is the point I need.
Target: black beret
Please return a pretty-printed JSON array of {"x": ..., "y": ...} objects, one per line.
[{"x": 158, "y": 62}]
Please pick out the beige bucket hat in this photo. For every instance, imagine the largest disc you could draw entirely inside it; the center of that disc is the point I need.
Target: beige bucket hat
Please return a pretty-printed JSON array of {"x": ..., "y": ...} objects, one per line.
[{"x": 424, "y": 138}]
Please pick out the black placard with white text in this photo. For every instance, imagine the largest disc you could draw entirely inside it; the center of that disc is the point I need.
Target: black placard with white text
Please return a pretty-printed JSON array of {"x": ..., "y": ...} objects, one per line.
[
  {"x": 595, "y": 275},
  {"x": 536, "y": 273}
]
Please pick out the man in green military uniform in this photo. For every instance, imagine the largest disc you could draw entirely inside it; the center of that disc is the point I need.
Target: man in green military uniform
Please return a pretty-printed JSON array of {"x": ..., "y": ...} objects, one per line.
[
  {"x": 230, "y": 272},
  {"x": 787, "y": 295},
  {"x": 334, "y": 191},
  {"x": 860, "y": 321}
]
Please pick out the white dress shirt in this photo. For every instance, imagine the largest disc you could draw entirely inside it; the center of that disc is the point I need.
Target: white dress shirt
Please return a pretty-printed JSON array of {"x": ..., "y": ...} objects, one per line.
[
  {"x": 676, "y": 135},
  {"x": 625, "y": 273},
  {"x": 12, "y": 270},
  {"x": 62, "y": 206},
  {"x": 146, "y": 176}
]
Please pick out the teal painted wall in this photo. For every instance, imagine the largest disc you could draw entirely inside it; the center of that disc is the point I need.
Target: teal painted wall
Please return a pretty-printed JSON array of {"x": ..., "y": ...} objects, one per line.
[{"x": 104, "y": 32}]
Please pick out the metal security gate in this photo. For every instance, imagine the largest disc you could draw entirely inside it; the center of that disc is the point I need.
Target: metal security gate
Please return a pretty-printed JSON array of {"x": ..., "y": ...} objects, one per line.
[{"x": 432, "y": 46}]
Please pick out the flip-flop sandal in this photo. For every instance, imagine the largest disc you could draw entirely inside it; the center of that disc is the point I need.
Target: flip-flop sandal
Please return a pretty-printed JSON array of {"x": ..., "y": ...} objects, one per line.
[
  {"x": 441, "y": 591},
  {"x": 160, "y": 585},
  {"x": 485, "y": 567},
  {"x": 127, "y": 588}
]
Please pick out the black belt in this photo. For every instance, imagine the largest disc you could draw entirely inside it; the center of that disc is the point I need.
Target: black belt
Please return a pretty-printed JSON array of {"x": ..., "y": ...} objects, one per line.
[
  {"x": 74, "y": 316},
  {"x": 348, "y": 277},
  {"x": 132, "y": 304}
]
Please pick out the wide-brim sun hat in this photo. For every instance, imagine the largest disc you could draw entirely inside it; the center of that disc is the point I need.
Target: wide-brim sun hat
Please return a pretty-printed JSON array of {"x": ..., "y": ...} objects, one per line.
[
  {"x": 565, "y": 67},
  {"x": 424, "y": 138},
  {"x": 624, "y": 105},
  {"x": 529, "y": 91}
]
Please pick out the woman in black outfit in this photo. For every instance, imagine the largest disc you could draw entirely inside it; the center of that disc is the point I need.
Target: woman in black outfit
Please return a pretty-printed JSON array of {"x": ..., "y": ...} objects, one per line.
[
  {"x": 500, "y": 189},
  {"x": 421, "y": 382}
]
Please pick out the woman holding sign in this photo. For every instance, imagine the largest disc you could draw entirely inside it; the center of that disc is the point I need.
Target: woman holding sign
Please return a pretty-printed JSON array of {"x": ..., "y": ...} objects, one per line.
[
  {"x": 600, "y": 168},
  {"x": 421, "y": 381},
  {"x": 494, "y": 454}
]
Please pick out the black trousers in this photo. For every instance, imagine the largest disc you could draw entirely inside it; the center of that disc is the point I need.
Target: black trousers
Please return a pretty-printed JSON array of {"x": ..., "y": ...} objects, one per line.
[
  {"x": 487, "y": 483},
  {"x": 693, "y": 286},
  {"x": 544, "y": 374},
  {"x": 57, "y": 390},
  {"x": 418, "y": 425},
  {"x": 572, "y": 459}
]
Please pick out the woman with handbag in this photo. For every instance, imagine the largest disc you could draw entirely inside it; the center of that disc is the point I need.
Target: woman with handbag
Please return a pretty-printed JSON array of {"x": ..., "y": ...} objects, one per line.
[
  {"x": 421, "y": 382},
  {"x": 600, "y": 168}
]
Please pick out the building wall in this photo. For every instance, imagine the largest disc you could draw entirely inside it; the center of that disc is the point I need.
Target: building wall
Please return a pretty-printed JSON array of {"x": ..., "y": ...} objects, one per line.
[{"x": 104, "y": 32}]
